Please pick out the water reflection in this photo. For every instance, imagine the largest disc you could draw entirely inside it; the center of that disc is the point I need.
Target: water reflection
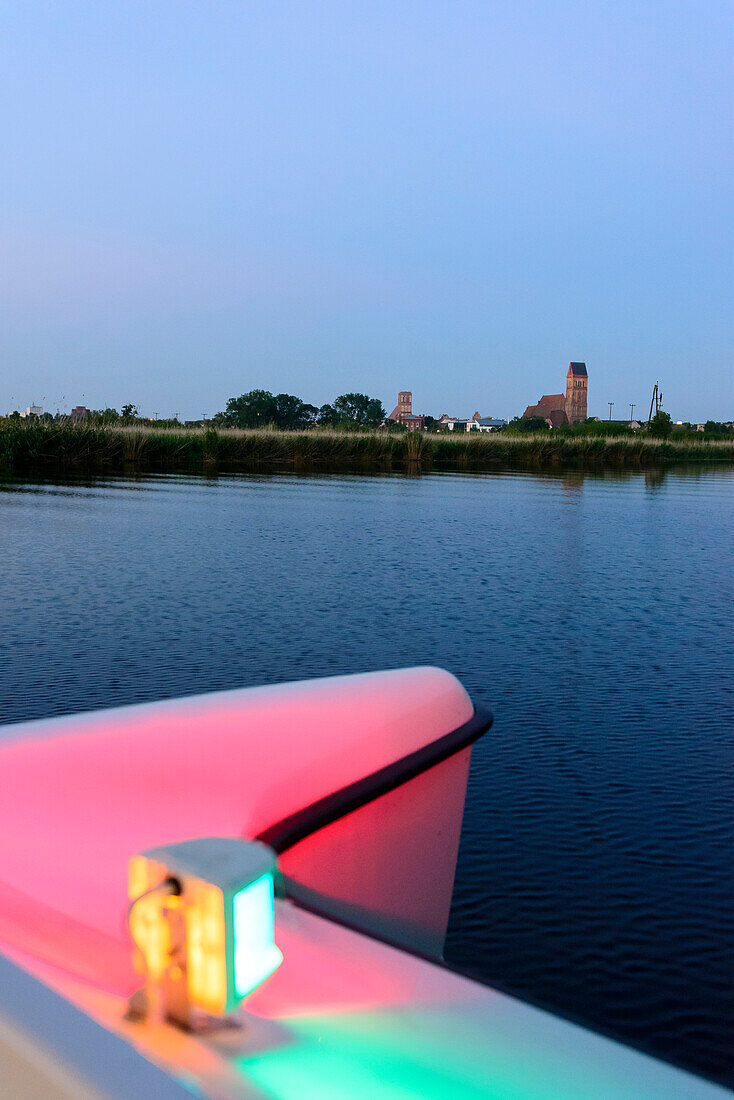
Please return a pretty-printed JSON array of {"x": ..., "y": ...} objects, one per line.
[{"x": 653, "y": 477}]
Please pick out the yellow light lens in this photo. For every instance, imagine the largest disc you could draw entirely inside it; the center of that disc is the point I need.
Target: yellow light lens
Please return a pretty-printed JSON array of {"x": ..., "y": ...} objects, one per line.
[
  {"x": 151, "y": 934},
  {"x": 206, "y": 948},
  {"x": 138, "y": 876}
]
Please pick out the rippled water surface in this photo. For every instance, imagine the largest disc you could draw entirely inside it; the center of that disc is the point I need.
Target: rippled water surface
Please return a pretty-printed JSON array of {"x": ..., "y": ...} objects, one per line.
[{"x": 594, "y": 615}]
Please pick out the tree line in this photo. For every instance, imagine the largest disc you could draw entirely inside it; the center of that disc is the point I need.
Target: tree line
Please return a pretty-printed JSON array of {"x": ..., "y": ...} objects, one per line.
[
  {"x": 353, "y": 411},
  {"x": 256, "y": 409},
  {"x": 260, "y": 408},
  {"x": 661, "y": 426}
]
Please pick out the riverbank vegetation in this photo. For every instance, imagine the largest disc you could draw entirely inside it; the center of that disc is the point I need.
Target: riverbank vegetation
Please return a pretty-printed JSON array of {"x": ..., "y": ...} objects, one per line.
[
  {"x": 255, "y": 409},
  {"x": 67, "y": 446}
]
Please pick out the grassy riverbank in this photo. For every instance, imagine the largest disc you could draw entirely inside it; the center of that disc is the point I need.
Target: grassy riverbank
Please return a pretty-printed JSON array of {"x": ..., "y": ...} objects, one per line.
[{"x": 78, "y": 447}]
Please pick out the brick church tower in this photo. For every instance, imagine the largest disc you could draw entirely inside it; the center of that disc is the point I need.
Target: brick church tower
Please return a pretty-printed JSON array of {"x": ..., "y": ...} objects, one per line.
[
  {"x": 577, "y": 386},
  {"x": 405, "y": 402}
]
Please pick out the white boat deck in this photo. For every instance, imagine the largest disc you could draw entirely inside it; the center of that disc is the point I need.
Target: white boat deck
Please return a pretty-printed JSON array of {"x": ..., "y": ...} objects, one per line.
[{"x": 347, "y": 1017}]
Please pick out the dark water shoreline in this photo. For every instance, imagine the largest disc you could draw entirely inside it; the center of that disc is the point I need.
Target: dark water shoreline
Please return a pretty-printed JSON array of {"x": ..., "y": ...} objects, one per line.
[{"x": 652, "y": 476}]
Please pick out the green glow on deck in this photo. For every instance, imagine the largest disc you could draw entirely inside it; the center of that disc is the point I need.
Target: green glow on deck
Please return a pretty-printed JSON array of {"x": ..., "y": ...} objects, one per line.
[{"x": 366, "y": 1056}]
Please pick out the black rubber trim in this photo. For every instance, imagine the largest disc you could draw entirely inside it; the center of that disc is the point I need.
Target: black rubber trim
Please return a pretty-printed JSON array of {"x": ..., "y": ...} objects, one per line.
[{"x": 284, "y": 834}]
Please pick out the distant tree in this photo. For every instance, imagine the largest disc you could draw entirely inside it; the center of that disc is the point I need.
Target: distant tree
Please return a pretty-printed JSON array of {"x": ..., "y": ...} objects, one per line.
[
  {"x": 260, "y": 407},
  {"x": 717, "y": 427},
  {"x": 129, "y": 412},
  {"x": 364, "y": 410},
  {"x": 251, "y": 410},
  {"x": 353, "y": 409},
  {"x": 528, "y": 424},
  {"x": 327, "y": 416},
  {"x": 292, "y": 413},
  {"x": 431, "y": 423},
  {"x": 594, "y": 426},
  {"x": 661, "y": 425},
  {"x": 284, "y": 410},
  {"x": 104, "y": 416}
]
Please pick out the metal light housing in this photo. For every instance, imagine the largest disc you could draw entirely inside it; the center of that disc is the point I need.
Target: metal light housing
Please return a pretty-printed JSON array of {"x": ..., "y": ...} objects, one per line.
[{"x": 202, "y": 918}]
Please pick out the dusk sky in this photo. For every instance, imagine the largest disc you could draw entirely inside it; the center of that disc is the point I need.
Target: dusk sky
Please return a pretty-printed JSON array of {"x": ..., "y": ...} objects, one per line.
[{"x": 458, "y": 198}]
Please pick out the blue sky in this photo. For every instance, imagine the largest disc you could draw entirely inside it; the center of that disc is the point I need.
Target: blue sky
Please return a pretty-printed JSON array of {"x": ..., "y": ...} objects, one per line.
[{"x": 457, "y": 198}]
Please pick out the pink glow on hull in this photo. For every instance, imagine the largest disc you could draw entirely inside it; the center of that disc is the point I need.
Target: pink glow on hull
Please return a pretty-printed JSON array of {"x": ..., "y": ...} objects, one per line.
[
  {"x": 83, "y": 793},
  {"x": 393, "y": 859}
]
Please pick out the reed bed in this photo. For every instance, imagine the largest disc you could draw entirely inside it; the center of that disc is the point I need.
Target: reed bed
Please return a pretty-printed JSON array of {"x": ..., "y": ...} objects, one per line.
[{"x": 79, "y": 447}]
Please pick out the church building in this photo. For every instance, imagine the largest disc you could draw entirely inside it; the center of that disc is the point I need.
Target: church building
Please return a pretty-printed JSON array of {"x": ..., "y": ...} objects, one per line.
[
  {"x": 403, "y": 413},
  {"x": 569, "y": 408}
]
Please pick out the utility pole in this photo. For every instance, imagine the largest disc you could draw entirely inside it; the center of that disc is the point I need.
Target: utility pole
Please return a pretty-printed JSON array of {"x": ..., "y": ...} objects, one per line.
[
  {"x": 656, "y": 402},
  {"x": 610, "y": 403}
]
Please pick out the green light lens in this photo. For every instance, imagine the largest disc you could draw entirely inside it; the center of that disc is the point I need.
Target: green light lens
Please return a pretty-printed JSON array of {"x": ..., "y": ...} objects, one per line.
[{"x": 253, "y": 923}]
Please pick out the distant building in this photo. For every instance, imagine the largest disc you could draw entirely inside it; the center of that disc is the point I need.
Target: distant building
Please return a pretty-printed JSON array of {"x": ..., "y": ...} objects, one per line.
[
  {"x": 413, "y": 421},
  {"x": 79, "y": 412},
  {"x": 32, "y": 410},
  {"x": 459, "y": 424},
  {"x": 552, "y": 409},
  {"x": 403, "y": 413},
  {"x": 490, "y": 424},
  {"x": 476, "y": 423},
  {"x": 558, "y": 408},
  {"x": 577, "y": 389},
  {"x": 404, "y": 406}
]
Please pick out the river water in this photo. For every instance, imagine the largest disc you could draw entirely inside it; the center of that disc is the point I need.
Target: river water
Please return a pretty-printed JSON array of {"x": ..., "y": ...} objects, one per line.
[{"x": 592, "y": 614}]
